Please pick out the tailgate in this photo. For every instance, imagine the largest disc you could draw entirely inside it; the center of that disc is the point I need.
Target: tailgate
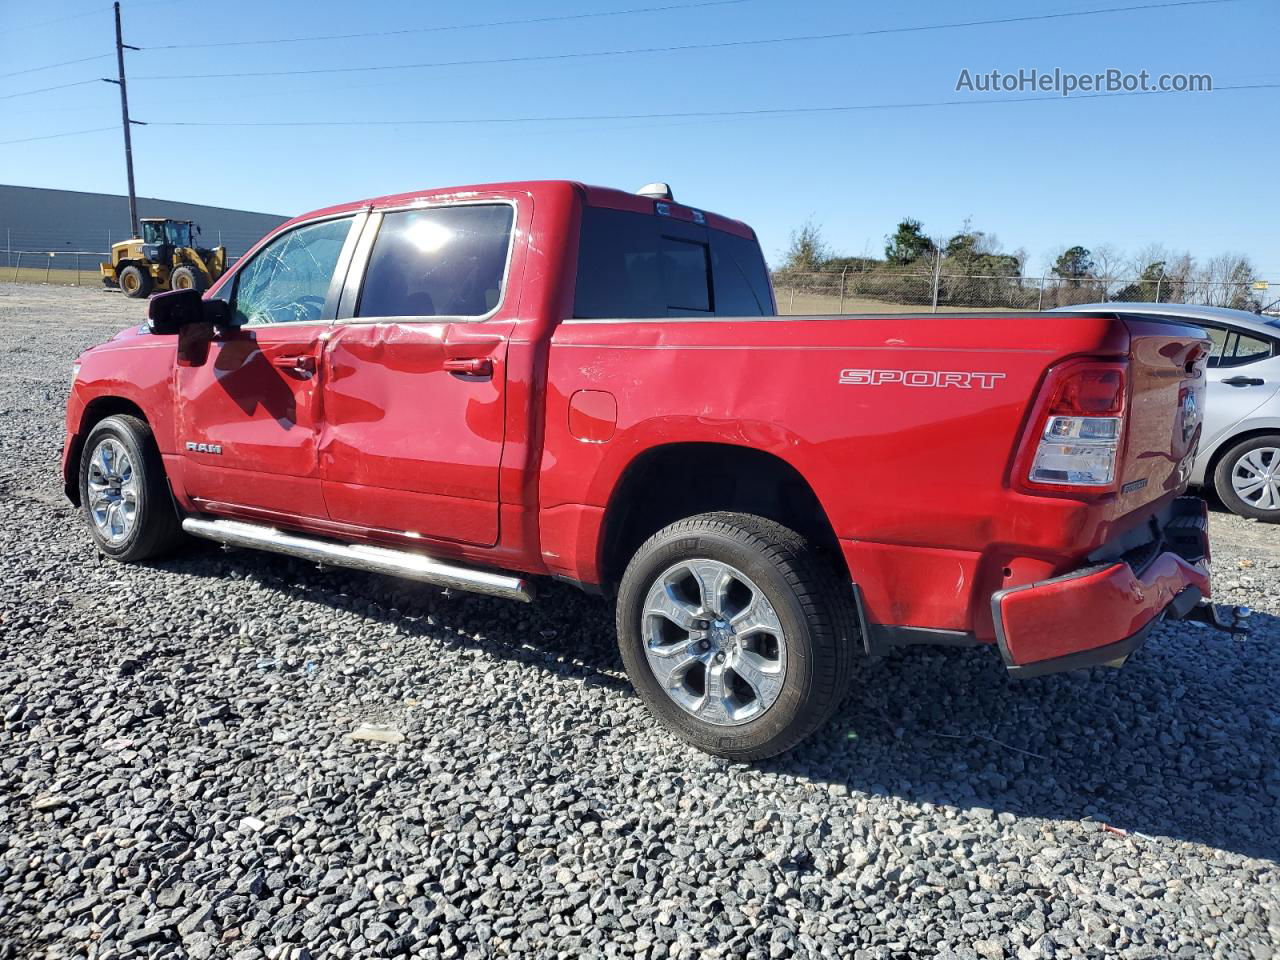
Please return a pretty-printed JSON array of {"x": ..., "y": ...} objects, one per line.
[{"x": 1166, "y": 408}]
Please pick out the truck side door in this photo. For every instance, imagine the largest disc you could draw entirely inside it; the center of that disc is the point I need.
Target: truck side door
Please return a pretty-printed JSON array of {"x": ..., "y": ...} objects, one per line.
[
  {"x": 248, "y": 415},
  {"x": 415, "y": 397}
]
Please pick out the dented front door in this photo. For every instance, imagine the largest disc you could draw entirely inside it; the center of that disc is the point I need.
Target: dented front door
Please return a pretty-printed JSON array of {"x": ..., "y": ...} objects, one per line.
[{"x": 248, "y": 414}]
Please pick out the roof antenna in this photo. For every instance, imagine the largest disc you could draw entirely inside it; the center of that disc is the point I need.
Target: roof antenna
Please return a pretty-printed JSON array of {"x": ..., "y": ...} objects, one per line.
[{"x": 658, "y": 190}]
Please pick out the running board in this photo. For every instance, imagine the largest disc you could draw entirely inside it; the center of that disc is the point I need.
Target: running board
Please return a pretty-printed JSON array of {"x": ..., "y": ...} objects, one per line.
[{"x": 359, "y": 556}]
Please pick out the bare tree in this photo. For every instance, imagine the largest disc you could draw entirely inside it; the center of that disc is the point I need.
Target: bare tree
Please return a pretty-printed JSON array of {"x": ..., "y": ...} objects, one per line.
[
  {"x": 1108, "y": 263},
  {"x": 1227, "y": 281}
]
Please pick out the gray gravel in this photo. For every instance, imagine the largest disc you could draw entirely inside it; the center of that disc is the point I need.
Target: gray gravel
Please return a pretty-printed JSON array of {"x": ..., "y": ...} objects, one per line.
[{"x": 179, "y": 775}]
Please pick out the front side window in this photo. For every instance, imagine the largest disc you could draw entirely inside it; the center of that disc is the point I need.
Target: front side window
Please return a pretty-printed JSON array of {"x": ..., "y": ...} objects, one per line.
[
  {"x": 636, "y": 265},
  {"x": 287, "y": 280},
  {"x": 438, "y": 262}
]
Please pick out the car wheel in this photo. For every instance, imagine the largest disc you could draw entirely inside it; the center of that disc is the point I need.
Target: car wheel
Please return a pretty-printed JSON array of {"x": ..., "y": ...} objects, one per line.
[
  {"x": 737, "y": 636},
  {"x": 123, "y": 492},
  {"x": 135, "y": 282},
  {"x": 1247, "y": 478}
]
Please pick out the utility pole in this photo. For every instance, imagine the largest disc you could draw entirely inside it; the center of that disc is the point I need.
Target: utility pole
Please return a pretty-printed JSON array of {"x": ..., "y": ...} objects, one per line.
[{"x": 121, "y": 47}]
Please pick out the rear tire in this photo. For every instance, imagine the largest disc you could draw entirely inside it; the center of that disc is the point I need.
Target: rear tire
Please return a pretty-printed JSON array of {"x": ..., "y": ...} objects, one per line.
[
  {"x": 135, "y": 282},
  {"x": 186, "y": 278},
  {"x": 729, "y": 688},
  {"x": 124, "y": 495},
  {"x": 1247, "y": 478}
]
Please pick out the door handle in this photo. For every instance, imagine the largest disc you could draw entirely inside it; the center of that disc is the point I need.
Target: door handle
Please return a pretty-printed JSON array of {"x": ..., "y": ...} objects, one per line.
[
  {"x": 470, "y": 366},
  {"x": 304, "y": 365},
  {"x": 1244, "y": 381}
]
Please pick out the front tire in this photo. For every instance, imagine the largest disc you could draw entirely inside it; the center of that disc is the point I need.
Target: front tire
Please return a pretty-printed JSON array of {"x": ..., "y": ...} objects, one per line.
[
  {"x": 186, "y": 278},
  {"x": 1247, "y": 478},
  {"x": 736, "y": 635},
  {"x": 135, "y": 282},
  {"x": 123, "y": 492}
]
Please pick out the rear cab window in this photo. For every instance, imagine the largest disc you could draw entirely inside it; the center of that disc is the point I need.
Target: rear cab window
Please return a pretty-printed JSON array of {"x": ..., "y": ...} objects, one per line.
[{"x": 644, "y": 265}]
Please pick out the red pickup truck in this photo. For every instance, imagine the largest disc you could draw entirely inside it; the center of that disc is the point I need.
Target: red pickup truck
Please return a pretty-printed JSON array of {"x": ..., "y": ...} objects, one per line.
[{"x": 483, "y": 386}]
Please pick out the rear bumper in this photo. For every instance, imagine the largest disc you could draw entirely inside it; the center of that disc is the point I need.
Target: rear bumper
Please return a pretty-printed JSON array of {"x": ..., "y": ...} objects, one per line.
[{"x": 1103, "y": 612}]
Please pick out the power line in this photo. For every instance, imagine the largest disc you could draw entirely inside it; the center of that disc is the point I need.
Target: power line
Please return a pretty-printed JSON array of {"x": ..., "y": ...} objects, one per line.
[
  {"x": 50, "y": 66},
  {"x": 491, "y": 61},
  {"x": 47, "y": 23},
  {"x": 55, "y": 136},
  {"x": 353, "y": 36},
  {"x": 457, "y": 26},
  {"x": 690, "y": 114},
  {"x": 533, "y": 58},
  {"x": 60, "y": 86},
  {"x": 685, "y": 115},
  {"x": 1045, "y": 16}
]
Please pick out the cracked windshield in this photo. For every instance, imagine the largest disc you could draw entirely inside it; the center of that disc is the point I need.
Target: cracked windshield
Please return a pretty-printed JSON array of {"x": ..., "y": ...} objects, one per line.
[{"x": 287, "y": 281}]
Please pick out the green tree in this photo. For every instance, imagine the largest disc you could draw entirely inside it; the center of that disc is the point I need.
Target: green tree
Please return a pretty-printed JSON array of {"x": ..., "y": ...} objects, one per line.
[
  {"x": 1149, "y": 287},
  {"x": 1075, "y": 263},
  {"x": 907, "y": 243},
  {"x": 807, "y": 251},
  {"x": 973, "y": 253}
]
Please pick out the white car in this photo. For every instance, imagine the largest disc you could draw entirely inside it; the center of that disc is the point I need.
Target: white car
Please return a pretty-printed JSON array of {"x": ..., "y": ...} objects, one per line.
[{"x": 1240, "y": 447}]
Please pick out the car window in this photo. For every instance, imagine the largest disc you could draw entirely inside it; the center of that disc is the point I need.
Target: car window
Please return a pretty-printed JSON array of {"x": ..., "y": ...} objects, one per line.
[
  {"x": 1234, "y": 348},
  {"x": 634, "y": 265},
  {"x": 438, "y": 262},
  {"x": 741, "y": 276},
  {"x": 287, "y": 281},
  {"x": 686, "y": 274},
  {"x": 1219, "y": 338}
]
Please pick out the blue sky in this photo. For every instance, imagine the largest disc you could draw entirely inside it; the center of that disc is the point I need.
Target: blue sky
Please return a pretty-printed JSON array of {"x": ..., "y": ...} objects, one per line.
[{"x": 1191, "y": 171}]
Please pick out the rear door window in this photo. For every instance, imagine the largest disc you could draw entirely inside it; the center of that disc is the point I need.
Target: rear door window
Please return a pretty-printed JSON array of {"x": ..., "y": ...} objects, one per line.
[
  {"x": 1235, "y": 348},
  {"x": 438, "y": 262},
  {"x": 633, "y": 265}
]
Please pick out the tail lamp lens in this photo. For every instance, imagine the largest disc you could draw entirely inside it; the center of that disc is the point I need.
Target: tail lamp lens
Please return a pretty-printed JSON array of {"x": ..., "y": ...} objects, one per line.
[
  {"x": 1080, "y": 443},
  {"x": 1090, "y": 391}
]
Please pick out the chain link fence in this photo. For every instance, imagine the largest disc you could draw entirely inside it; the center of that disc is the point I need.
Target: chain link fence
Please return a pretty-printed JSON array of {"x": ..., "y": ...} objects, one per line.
[
  {"x": 68, "y": 267},
  {"x": 843, "y": 291},
  {"x": 73, "y": 268},
  {"x": 878, "y": 291}
]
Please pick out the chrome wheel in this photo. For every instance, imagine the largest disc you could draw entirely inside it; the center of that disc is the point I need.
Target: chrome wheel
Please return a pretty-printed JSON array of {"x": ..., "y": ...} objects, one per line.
[
  {"x": 1255, "y": 478},
  {"x": 113, "y": 491},
  {"x": 714, "y": 642}
]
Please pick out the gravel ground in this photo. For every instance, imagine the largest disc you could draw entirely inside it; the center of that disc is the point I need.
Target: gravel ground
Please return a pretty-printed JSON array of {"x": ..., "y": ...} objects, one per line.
[{"x": 178, "y": 776}]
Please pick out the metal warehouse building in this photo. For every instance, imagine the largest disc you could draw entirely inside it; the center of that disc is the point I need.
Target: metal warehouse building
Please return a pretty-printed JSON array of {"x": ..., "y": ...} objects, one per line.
[{"x": 39, "y": 221}]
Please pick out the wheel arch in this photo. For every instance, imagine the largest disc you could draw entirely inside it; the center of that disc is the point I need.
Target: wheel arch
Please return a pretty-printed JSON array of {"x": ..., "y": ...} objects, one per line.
[
  {"x": 703, "y": 477},
  {"x": 95, "y": 412}
]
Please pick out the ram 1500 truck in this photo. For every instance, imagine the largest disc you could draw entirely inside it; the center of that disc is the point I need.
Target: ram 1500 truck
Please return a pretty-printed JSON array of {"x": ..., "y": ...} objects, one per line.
[{"x": 485, "y": 386}]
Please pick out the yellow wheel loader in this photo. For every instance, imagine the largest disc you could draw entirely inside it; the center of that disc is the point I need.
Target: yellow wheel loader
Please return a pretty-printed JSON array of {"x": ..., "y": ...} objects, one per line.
[{"x": 164, "y": 258}]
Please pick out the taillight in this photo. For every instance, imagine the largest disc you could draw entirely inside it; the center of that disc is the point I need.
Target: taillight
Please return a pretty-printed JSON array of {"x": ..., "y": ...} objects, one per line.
[{"x": 1079, "y": 428}]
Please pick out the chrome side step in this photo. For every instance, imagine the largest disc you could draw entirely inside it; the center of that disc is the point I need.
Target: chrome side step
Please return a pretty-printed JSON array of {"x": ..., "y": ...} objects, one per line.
[{"x": 359, "y": 556}]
